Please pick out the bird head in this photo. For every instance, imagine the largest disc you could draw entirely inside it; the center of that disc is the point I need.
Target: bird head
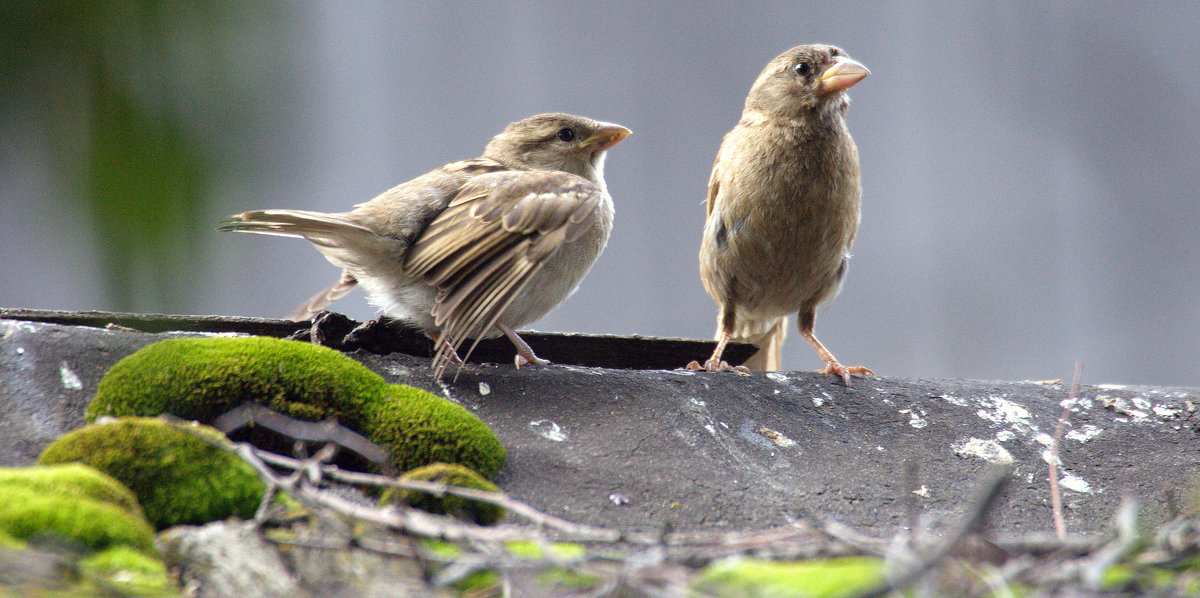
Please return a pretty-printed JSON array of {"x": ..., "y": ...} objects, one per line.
[
  {"x": 554, "y": 141},
  {"x": 806, "y": 78}
]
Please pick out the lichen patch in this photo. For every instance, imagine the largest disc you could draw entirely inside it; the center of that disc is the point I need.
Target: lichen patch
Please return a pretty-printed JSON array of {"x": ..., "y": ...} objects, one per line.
[
  {"x": 70, "y": 380},
  {"x": 548, "y": 430},
  {"x": 988, "y": 450}
]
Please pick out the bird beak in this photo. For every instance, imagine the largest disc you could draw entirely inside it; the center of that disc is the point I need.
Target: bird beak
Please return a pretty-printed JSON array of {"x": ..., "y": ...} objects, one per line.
[
  {"x": 842, "y": 75},
  {"x": 605, "y": 137}
]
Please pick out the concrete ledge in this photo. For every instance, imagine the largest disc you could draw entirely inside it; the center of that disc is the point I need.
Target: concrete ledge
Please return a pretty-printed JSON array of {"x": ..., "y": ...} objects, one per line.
[{"x": 641, "y": 449}]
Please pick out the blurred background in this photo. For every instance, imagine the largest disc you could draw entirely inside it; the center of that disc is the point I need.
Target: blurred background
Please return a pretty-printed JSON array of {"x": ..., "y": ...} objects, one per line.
[{"x": 1030, "y": 170}]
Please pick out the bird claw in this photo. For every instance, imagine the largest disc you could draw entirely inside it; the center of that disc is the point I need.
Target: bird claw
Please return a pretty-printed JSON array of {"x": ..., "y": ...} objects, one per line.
[
  {"x": 326, "y": 328},
  {"x": 717, "y": 366},
  {"x": 521, "y": 360},
  {"x": 844, "y": 372}
]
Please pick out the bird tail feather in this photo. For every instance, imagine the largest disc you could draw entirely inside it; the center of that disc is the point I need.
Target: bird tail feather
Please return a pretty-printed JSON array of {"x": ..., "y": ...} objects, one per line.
[
  {"x": 769, "y": 336},
  {"x": 344, "y": 241}
]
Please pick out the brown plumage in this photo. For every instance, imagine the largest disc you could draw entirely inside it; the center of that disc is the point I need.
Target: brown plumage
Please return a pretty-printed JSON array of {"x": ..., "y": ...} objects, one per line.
[
  {"x": 783, "y": 206},
  {"x": 475, "y": 248}
]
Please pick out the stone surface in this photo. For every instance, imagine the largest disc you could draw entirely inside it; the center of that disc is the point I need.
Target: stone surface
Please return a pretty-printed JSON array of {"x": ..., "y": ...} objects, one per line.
[{"x": 643, "y": 449}]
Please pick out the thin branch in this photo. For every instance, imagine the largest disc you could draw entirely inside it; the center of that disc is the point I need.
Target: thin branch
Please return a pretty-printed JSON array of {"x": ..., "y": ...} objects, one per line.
[
  {"x": 986, "y": 495},
  {"x": 1060, "y": 525}
]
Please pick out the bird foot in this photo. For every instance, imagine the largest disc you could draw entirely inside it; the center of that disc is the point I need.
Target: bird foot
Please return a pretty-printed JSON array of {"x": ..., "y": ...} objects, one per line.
[
  {"x": 717, "y": 366},
  {"x": 521, "y": 360},
  {"x": 365, "y": 335},
  {"x": 326, "y": 328},
  {"x": 837, "y": 369}
]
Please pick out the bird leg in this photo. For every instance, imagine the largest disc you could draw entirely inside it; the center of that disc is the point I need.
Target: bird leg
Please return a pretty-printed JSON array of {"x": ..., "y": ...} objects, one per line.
[
  {"x": 525, "y": 355},
  {"x": 832, "y": 366},
  {"x": 715, "y": 363}
]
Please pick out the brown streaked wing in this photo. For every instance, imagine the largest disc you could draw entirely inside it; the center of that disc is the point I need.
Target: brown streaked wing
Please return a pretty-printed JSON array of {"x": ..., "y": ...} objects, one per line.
[{"x": 493, "y": 237}]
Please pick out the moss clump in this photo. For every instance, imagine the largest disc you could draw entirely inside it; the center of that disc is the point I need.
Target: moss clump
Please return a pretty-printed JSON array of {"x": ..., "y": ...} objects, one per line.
[
  {"x": 27, "y": 513},
  {"x": 419, "y": 428},
  {"x": 562, "y": 551},
  {"x": 178, "y": 472},
  {"x": 823, "y": 578},
  {"x": 8, "y": 542},
  {"x": 129, "y": 572},
  {"x": 72, "y": 480},
  {"x": 200, "y": 378},
  {"x": 453, "y": 475}
]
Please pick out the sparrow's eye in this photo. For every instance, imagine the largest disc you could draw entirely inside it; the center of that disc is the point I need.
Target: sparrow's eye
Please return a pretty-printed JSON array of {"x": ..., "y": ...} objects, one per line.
[
  {"x": 566, "y": 134},
  {"x": 802, "y": 69}
]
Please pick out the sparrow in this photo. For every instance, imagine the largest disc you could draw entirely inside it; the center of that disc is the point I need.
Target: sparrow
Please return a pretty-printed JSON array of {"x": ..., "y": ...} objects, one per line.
[
  {"x": 783, "y": 207},
  {"x": 475, "y": 248}
]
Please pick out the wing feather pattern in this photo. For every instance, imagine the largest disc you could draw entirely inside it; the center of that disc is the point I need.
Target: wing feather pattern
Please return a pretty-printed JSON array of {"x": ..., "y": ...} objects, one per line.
[{"x": 490, "y": 242}]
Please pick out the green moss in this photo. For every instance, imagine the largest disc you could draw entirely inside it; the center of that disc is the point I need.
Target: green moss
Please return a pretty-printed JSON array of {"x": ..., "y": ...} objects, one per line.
[
  {"x": 8, "y": 542},
  {"x": 441, "y": 548},
  {"x": 804, "y": 579},
  {"x": 129, "y": 572},
  {"x": 419, "y": 428},
  {"x": 200, "y": 378},
  {"x": 72, "y": 480},
  {"x": 27, "y": 513},
  {"x": 528, "y": 549},
  {"x": 454, "y": 475},
  {"x": 177, "y": 473}
]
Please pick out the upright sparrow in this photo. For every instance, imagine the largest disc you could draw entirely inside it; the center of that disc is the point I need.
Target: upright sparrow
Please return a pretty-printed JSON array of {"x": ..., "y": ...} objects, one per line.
[
  {"x": 783, "y": 206},
  {"x": 475, "y": 248}
]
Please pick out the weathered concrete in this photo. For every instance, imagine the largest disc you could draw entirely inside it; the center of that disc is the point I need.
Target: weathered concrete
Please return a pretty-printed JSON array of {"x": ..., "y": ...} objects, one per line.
[{"x": 724, "y": 450}]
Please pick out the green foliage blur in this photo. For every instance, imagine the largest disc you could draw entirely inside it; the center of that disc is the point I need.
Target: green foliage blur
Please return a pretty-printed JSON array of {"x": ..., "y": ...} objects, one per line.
[{"x": 128, "y": 95}]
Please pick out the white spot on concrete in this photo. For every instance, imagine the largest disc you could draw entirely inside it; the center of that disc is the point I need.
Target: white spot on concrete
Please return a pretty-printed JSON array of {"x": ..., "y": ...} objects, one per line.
[
  {"x": 70, "y": 380},
  {"x": 583, "y": 370},
  {"x": 1190, "y": 406},
  {"x": 1049, "y": 457},
  {"x": 953, "y": 400},
  {"x": 1076, "y": 404},
  {"x": 923, "y": 491},
  {"x": 20, "y": 350},
  {"x": 914, "y": 419},
  {"x": 1165, "y": 412},
  {"x": 1004, "y": 412},
  {"x": 724, "y": 425},
  {"x": 1005, "y": 435},
  {"x": 776, "y": 391},
  {"x": 711, "y": 429},
  {"x": 14, "y": 326},
  {"x": 398, "y": 370},
  {"x": 1125, "y": 407},
  {"x": 1084, "y": 433},
  {"x": 1044, "y": 439},
  {"x": 879, "y": 448},
  {"x": 446, "y": 390},
  {"x": 776, "y": 437},
  {"x": 548, "y": 430},
  {"x": 1141, "y": 403},
  {"x": 485, "y": 389},
  {"x": 776, "y": 376},
  {"x": 818, "y": 401},
  {"x": 697, "y": 402},
  {"x": 988, "y": 450},
  {"x": 1075, "y": 483}
]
